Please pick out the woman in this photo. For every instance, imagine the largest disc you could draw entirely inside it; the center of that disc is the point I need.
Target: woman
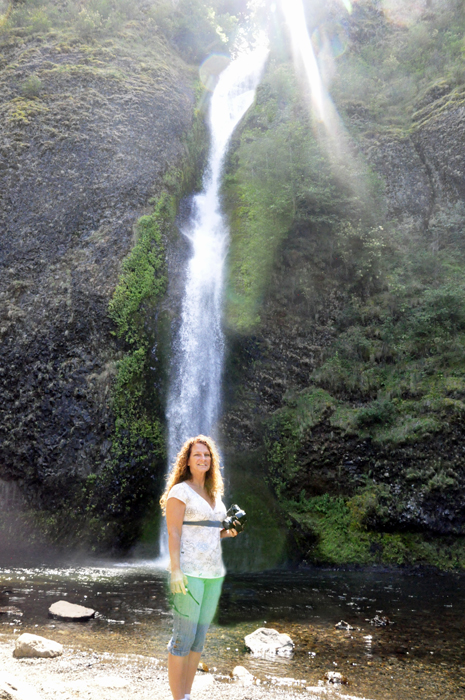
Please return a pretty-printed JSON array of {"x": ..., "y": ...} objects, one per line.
[{"x": 193, "y": 494}]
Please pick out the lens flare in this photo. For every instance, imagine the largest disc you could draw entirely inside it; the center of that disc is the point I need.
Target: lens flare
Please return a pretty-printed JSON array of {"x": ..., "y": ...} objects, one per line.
[
  {"x": 293, "y": 11},
  {"x": 211, "y": 68},
  {"x": 327, "y": 43}
]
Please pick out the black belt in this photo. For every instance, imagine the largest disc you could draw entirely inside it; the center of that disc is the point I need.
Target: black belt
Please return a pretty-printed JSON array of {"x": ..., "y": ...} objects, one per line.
[{"x": 204, "y": 523}]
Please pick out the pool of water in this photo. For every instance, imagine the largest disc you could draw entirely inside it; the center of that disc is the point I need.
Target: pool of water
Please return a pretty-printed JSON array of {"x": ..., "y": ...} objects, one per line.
[{"x": 419, "y": 653}]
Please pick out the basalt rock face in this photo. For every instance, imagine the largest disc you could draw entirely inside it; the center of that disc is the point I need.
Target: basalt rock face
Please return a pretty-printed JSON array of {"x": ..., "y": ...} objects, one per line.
[
  {"x": 286, "y": 403},
  {"x": 79, "y": 162},
  {"x": 419, "y": 483}
]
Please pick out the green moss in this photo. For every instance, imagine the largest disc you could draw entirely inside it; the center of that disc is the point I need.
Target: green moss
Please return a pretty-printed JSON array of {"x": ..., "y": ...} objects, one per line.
[
  {"x": 337, "y": 533},
  {"x": 21, "y": 110},
  {"x": 143, "y": 274}
]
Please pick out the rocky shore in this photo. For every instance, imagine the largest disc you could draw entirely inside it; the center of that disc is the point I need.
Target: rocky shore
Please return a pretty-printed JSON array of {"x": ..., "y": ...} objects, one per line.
[{"x": 86, "y": 674}]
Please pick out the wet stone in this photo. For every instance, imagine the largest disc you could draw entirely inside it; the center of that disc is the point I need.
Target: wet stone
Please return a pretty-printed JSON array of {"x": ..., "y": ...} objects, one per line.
[
  {"x": 10, "y": 610},
  {"x": 335, "y": 677},
  {"x": 380, "y": 621},
  {"x": 269, "y": 642},
  {"x": 342, "y": 625},
  {"x": 63, "y": 610}
]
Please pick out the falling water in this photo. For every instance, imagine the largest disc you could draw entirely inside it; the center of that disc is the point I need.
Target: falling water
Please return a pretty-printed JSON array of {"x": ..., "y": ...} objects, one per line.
[{"x": 194, "y": 398}]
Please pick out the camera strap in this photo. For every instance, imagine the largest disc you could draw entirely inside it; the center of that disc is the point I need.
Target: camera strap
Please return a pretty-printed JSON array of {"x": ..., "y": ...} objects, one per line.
[{"x": 204, "y": 523}]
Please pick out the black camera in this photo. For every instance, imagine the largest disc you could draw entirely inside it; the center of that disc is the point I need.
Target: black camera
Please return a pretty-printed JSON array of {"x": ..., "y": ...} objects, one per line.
[{"x": 235, "y": 518}]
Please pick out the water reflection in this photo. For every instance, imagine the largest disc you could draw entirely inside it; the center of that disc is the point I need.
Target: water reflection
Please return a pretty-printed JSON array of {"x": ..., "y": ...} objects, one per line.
[{"x": 404, "y": 635}]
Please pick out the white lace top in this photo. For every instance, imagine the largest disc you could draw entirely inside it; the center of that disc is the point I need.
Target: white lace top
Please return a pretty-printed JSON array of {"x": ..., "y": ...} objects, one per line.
[{"x": 200, "y": 546}]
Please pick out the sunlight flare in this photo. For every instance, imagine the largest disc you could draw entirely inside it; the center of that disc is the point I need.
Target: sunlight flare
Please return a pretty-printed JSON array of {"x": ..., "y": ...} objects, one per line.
[{"x": 294, "y": 14}]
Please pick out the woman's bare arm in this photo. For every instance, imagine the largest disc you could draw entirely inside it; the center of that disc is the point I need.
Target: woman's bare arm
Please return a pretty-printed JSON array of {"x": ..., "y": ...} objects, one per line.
[{"x": 175, "y": 510}]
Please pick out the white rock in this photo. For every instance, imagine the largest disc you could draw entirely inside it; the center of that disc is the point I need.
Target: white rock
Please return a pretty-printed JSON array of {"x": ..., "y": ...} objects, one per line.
[
  {"x": 269, "y": 642},
  {"x": 31, "y": 645},
  {"x": 244, "y": 676},
  {"x": 69, "y": 611},
  {"x": 13, "y": 689}
]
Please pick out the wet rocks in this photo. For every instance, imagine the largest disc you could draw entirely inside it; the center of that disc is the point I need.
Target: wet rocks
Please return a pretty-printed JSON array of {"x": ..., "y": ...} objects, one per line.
[
  {"x": 10, "y": 610},
  {"x": 13, "y": 689},
  {"x": 31, "y": 646},
  {"x": 336, "y": 678},
  {"x": 269, "y": 642},
  {"x": 380, "y": 621},
  {"x": 62, "y": 610},
  {"x": 342, "y": 625}
]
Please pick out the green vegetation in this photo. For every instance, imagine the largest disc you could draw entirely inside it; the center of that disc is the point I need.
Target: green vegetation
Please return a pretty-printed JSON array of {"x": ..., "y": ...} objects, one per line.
[
  {"x": 337, "y": 532},
  {"x": 279, "y": 177},
  {"x": 400, "y": 352},
  {"x": 314, "y": 254},
  {"x": 400, "y": 59},
  {"x": 193, "y": 27},
  {"x": 138, "y": 434},
  {"x": 32, "y": 86}
]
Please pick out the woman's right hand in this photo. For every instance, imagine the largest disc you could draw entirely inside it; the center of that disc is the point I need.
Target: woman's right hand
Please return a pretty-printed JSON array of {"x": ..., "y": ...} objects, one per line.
[{"x": 178, "y": 582}]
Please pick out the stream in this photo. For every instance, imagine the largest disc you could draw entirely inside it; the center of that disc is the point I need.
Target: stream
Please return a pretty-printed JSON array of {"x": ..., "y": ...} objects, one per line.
[{"x": 419, "y": 653}]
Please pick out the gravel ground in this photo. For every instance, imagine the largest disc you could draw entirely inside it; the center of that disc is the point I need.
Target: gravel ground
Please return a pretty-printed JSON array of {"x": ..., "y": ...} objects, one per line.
[{"x": 91, "y": 676}]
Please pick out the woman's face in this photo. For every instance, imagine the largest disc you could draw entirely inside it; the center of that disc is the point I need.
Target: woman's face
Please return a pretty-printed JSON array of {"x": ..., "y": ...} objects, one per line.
[{"x": 199, "y": 461}]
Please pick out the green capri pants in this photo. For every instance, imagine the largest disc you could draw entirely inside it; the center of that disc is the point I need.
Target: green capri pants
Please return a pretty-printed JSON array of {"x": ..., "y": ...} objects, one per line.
[{"x": 193, "y": 614}]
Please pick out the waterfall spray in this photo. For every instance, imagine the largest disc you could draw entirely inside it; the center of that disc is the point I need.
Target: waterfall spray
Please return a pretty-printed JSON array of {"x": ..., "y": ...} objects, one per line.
[{"x": 194, "y": 396}]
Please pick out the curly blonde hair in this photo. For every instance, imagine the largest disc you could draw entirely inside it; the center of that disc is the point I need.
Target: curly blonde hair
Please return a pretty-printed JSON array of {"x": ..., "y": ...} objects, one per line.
[{"x": 181, "y": 472}]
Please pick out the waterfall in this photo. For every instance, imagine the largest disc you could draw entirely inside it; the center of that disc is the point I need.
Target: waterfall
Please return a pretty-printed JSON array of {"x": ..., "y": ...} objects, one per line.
[{"x": 195, "y": 390}]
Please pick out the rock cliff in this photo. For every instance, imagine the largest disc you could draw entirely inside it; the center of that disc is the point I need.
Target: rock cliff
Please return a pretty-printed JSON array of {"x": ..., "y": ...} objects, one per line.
[
  {"x": 94, "y": 128},
  {"x": 345, "y": 378}
]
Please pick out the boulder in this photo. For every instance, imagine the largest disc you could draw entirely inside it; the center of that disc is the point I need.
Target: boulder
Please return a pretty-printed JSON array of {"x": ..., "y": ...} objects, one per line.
[
  {"x": 13, "y": 689},
  {"x": 269, "y": 642},
  {"x": 62, "y": 610},
  {"x": 31, "y": 645}
]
